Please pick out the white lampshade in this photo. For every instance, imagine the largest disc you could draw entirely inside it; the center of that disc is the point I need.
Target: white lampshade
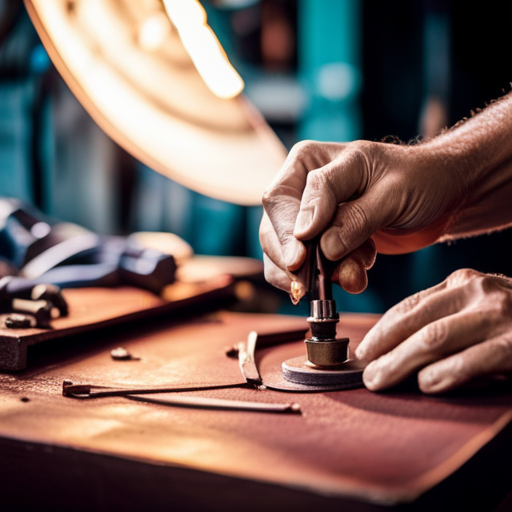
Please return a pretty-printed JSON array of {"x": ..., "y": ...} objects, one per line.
[{"x": 127, "y": 63}]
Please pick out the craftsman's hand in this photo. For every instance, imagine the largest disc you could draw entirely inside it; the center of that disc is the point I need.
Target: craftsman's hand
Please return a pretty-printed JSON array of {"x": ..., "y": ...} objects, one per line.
[
  {"x": 453, "y": 332},
  {"x": 402, "y": 197}
]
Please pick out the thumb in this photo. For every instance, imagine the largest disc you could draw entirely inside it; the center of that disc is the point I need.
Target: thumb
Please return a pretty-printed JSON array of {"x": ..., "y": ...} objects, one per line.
[
  {"x": 325, "y": 189},
  {"x": 355, "y": 222}
]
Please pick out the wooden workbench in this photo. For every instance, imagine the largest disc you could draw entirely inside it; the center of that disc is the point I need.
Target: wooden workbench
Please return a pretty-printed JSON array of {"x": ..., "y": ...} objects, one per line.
[{"x": 348, "y": 450}]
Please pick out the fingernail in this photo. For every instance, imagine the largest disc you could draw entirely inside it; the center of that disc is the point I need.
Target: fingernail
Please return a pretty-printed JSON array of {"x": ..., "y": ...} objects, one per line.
[
  {"x": 360, "y": 352},
  {"x": 371, "y": 375},
  {"x": 362, "y": 349},
  {"x": 304, "y": 221},
  {"x": 292, "y": 253}
]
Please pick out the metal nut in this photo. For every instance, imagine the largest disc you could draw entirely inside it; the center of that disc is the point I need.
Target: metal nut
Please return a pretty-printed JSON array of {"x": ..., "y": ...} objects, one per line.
[{"x": 327, "y": 353}]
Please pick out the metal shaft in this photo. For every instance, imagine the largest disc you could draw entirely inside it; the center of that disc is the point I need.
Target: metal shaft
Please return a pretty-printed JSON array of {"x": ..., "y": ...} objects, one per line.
[{"x": 324, "y": 349}]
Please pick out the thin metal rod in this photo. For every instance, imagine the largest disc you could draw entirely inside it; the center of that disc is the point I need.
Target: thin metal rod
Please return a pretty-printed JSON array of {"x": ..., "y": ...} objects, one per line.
[
  {"x": 216, "y": 403},
  {"x": 85, "y": 391},
  {"x": 323, "y": 277},
  {"x": 91, "y": 391}
]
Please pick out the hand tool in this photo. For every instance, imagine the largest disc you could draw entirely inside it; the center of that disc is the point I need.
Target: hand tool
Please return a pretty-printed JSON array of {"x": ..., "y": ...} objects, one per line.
[
  {"x": 45, "y": 250},
  {"x": 86, "y": 391},
  {"x": 327, "y": 362},
  {"x": 246, "y": 359},
  {"x": 30, "y": 304}
]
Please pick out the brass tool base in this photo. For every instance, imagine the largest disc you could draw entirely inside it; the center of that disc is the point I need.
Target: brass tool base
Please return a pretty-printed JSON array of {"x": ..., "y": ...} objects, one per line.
[
  {"x": 328, "y": 353},
  {"x": 344, "y": 376}
]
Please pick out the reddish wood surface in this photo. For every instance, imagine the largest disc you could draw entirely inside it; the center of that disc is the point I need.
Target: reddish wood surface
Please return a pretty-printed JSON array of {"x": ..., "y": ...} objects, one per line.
[{"x": 381, "y": 448}]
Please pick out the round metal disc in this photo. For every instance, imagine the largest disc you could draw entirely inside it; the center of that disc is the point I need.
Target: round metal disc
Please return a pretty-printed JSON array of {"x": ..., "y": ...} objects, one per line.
[
  {"x": 300, "y": 371},
  {"x": 277, "y": 382},
  {"x": 348, "y": 376}
]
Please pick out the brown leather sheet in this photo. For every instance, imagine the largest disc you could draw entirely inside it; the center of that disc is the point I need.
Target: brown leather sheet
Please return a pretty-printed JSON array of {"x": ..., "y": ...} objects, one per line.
[{"x": 383, "y": 448}]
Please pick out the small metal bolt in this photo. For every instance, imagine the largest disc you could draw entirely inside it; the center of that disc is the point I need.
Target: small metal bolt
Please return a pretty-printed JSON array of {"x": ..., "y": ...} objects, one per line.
[{"x": 18, "y": 322}]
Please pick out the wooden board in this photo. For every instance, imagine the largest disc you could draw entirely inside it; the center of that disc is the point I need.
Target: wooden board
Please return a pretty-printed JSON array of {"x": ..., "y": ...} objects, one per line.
[{"x": 94, "y": 308}]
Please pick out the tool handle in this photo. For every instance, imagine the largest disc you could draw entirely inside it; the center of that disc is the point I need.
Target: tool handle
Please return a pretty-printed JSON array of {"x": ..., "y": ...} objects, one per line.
[{"x": 323, "y": 275}]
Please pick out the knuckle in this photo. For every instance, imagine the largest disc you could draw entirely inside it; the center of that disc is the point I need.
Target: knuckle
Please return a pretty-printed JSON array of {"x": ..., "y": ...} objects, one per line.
[
  {"x": 360, "y": 152},
  {"x": 318, "y": 191},
  {"x": 360, "y": 147},
  {"x": 408, "y": 304},
  {"x": 479, "y": 287},
  {"x": 303, "y": 148},
  {"x": 502, "y": 302},
  {"x": 269, "y": 196},
  {"x": 276, "y": 199},
  {"x": 330, "y": 176},
  {"x": 462, "y": 276},
  {"x": 320, "y": 187},
  {"x": 487, "y": 283},
  {"x": 487, "y": 292},
  {"x": 316, "y": 181},
  {"x": 433, "y": 335}
]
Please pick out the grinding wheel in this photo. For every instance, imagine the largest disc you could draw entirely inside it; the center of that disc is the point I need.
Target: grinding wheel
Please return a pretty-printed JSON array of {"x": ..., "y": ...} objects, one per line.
[
  {"x": 298, "y": 374},
  {"x": 300, "y": 371}
]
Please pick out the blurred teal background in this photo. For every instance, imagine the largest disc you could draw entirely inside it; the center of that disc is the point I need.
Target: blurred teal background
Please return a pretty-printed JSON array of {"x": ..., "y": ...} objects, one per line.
[{"x": 332, "y": 70}]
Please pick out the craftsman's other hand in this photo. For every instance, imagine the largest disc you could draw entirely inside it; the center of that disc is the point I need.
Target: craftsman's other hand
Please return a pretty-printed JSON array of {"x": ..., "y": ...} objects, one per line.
[
  {"x": 401, "y": 197},
  {"x": 453, "y": 332}
]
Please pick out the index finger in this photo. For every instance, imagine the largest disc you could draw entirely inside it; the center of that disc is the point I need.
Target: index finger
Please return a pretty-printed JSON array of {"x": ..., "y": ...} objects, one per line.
[{"x": 282, "y": 199}]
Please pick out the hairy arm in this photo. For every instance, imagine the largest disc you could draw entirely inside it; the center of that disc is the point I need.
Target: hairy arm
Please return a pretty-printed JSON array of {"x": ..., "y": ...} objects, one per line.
[{"x": 482, "y": 145}]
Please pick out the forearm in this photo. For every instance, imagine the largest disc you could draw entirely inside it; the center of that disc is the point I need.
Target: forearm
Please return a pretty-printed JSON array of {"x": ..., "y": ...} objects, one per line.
[{"x": 480, "y": 153}]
